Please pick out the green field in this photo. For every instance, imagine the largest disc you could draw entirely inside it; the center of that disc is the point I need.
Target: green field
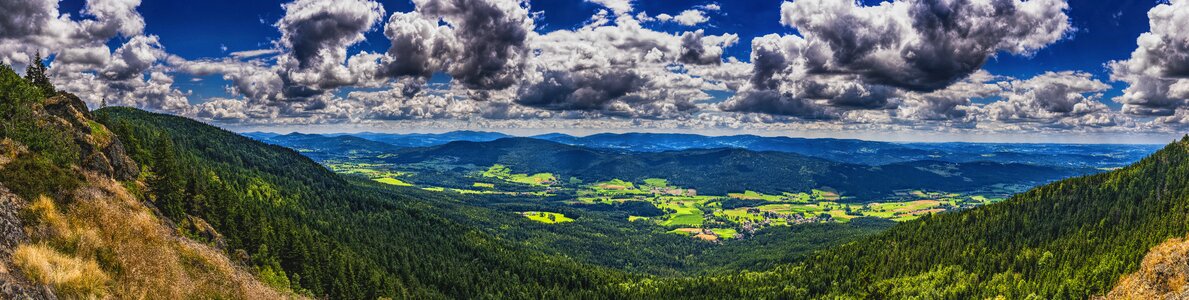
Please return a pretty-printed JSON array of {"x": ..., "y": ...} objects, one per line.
[
  {"x": 682, "y": 213},
  {"x": 546, "y": 217},
  {"x": 739, "y": 214},
  {"x": 656, "y": 182},
  {"x": 392, "y": 181},
  {"x": 751, "y": 195},
  {"x": 504, "y": 173},
  {"x": 817, "y": 195},
  {"x": 688, "y": 214},
  {"x": 725, "y": 233}
]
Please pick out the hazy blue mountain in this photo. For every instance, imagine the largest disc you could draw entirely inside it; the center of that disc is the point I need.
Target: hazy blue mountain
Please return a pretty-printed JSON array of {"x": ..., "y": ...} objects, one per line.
[
  {"x": 872, "y": 152},
  {"x": 429, "y": 139},
  {"x": 722, "y": 170},
  {"x": 319, "y": 146}
]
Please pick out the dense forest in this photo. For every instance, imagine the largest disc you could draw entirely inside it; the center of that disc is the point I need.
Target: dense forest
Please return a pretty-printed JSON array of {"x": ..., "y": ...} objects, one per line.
[
  {"x": 604, "y": 237},
  {"x": 306, "y": 228}
]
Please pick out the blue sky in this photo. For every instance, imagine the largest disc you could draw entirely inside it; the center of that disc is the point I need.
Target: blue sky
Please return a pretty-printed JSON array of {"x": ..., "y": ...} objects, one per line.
[{"x": 623, "y": 65}]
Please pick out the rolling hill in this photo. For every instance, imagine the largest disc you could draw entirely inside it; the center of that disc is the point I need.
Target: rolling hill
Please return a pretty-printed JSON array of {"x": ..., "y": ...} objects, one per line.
[
  {"x": 718, "y": 171},
  {"x": 318, "y": 146}
]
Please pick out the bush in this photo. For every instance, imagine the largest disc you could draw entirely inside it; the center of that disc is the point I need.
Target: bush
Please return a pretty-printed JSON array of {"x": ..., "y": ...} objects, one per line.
[{"x": 31, "y": 175}]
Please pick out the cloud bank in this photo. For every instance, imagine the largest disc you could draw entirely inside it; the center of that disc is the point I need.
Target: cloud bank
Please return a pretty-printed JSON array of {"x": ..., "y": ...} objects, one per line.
[{"x": 906, "y": 64}]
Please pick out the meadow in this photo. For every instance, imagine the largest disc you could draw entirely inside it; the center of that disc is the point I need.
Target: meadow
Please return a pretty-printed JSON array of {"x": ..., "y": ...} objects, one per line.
[{"x": 729, "y": 216}]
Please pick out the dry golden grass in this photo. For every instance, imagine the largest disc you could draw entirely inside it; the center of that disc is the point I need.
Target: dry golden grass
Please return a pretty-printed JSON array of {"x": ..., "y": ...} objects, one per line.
[
  {"x": 141, "y": 257},
  {"x": 1162, "y": 274},
  {"x": 70, "y": 276}
]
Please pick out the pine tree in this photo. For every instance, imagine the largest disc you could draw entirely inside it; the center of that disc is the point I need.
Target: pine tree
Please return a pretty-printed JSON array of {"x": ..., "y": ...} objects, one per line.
[
  {"x": 167, "y": 182},
  {"x": 36, "y": 74}
]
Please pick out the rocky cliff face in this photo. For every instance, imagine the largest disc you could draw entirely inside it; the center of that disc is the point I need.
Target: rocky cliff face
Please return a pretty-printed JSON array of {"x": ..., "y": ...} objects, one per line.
[
  {"x": 100, "y": 150},
  {"x": 12, "y": 284}
]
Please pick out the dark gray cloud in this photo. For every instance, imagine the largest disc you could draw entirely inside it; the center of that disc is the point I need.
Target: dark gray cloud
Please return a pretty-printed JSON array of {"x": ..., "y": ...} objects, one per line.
[
  {"x": 491, "y": 39},
  {"x": 767, "y": 61},
  {"x": 922, "y": 45},
  {"x": 419, "y": 48},
  {"x": 776, "y": 103},
  {"x": 317, "y": 32},
  {"x": 694, "y": 51},
  {"x": 31, "y": 26},
  {"x": 25, "y": 18},
  {"x": 853, "y": 57},
  {"x": 1051, "y": 97},
  {"x": 623, "y": 70},
  {"x": 814, "y": 98},
  {"x": 953, "y": 103},
  {"x": 591, "y": 90}
]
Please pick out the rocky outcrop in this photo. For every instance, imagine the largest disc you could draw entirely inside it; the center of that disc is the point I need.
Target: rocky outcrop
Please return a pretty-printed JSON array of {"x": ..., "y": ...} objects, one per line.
[
  {"x": 99, "y": 149},
  {"x": 206, "y": 232},
  {"x": 1163, "y": 274},
  {"x": 13, "y": 285}
]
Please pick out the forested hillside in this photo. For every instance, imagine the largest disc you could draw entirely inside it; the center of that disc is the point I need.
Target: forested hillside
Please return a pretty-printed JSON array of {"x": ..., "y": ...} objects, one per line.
[
  {"x": 1071, "y": 239},
  {"x": 304, "y": 227}
]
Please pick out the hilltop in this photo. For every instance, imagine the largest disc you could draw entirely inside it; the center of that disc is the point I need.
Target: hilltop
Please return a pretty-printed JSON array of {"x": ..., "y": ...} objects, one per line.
[{"x": 73, "y": 222}]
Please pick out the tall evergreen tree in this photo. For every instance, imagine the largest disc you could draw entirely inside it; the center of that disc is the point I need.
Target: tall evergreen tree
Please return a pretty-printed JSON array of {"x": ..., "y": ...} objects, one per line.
[
  {"x": 167, "y": 183},
  {"x": 36, "y": 74}
]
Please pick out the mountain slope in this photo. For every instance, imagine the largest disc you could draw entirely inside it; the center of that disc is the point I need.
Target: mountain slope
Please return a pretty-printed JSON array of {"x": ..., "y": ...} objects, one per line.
[
  {"x": 69, "y": 229},
  {"x": 307, "y": 228},
  {"x": 1070, "y": 239}
]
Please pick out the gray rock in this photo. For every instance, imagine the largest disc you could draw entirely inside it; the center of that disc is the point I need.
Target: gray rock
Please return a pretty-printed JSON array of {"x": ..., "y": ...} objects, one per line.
[{"x": 12, "y": 284}]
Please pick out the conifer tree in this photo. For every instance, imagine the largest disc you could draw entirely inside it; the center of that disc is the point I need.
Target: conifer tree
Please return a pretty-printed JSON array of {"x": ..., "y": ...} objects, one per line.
[
  {"x": 36, "y": 74},
  {"x": 167, "y": 182}
]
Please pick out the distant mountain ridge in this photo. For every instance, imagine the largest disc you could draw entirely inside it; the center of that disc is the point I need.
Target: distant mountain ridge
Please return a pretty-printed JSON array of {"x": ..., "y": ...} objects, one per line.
[
  {"x": 723, "y": 170},
  {"x": 872, "y": 152}
]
